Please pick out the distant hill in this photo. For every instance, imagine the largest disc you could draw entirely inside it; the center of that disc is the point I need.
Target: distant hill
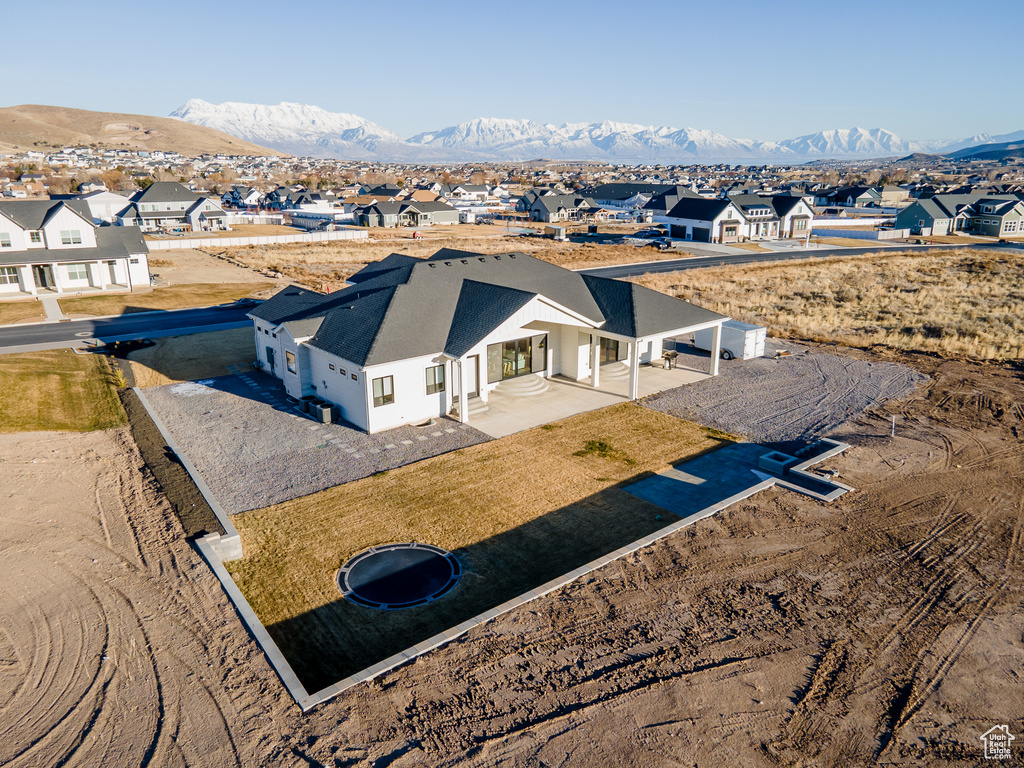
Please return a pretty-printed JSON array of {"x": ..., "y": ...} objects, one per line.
[
  {"x": 991, "y": 151},
  {"x": 33, "y": 126},
  {"x": 921, "y": 157}
]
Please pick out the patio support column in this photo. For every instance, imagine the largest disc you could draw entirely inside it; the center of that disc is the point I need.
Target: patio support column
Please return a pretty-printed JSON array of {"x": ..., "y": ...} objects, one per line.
[
  {"x": 595, "y": 360},
  {"x": 56, "y": 280},
  {"x": 716, "y": 348},
  {"x": 463, "y": 397},
  {"x": 102, "y": 270},
  {"x": 28, "y": 280},
  {"x": 449, "y": 377},
  {"x": 634, "y": 369}
]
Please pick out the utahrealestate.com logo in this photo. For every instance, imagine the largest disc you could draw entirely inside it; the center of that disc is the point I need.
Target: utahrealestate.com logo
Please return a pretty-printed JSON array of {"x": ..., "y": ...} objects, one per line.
[{"x": 997, "y": 742}]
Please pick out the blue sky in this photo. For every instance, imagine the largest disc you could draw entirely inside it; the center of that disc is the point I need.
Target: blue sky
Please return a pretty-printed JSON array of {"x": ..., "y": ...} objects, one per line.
[{"x": 766, "y": 70}]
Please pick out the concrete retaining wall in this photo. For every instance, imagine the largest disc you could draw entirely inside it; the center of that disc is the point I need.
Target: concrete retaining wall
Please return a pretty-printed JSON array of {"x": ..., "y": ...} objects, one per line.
[{"x": 231, "y": 242}]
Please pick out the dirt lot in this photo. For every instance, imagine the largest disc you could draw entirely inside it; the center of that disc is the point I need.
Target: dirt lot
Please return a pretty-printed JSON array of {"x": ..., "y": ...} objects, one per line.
[
  {"x": 328, "y": 264},
  {"x": 883, "y": 629},
  {"x": 185, "y": 266}
]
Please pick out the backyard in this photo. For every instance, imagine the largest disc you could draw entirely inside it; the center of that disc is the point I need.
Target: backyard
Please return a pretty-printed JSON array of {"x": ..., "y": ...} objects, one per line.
[{"x": 516, "y": 512}]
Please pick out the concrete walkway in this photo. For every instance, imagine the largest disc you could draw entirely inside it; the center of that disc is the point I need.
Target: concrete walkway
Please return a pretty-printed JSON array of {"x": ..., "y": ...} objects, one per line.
[
  {"x": 54, "y": 314},
  {"x": 508, "y": 414},
  {"x": 712, "y": 482}
]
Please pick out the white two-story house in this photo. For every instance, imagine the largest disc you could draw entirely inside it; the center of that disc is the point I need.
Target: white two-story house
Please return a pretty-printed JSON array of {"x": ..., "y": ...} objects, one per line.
[
  {"x": 171, "y": 207},
  {"x": 53, "y": 247}
]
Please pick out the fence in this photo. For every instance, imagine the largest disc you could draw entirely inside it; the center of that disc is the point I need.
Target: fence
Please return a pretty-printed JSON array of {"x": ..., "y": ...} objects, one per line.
[
  {"x": 232, "y": 242},
  {"x": 863, "y": 234},
  {"x": 255, "y": 218},
  {"x": 852, "y": 221}
]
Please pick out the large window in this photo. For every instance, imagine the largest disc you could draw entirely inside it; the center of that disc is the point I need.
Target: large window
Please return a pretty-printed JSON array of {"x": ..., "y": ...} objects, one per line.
[
  {"x": 78, "y": 272},
  {"x": 516, "y": 358},
  {"x": 435, "y": 379},
  {"x": 8, "y": 275},
  {"x": 383, "y": 390},
  {"x": 289, "y": 359},
  {"x": 71, "y": 237}
]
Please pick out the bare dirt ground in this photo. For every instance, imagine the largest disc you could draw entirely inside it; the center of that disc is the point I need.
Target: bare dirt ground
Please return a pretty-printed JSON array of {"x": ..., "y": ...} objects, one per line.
[
  {"x": 180, "y": 266},
  {"x": 882, "y": 629}
]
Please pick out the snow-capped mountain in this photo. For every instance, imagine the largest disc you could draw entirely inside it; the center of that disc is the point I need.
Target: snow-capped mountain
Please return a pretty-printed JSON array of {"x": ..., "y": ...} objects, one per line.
[
  {"x": 297, "y": 129},
  {"x": 306, "y": 130}
]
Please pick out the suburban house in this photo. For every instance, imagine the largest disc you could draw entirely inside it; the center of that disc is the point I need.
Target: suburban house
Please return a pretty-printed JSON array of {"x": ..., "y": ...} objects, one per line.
[
  {"x": 406, "y": 214},
  {"x": 740, "y": 217},
  {"x": 103, "y": 205},
  {"x": 626, "y": 195},
  {"x": 553, "y": 208},
  {"x": 170, "y": 206},
  {"x": 478, "y": 192},
  {"x": 242, "y": 197},
  {"x": 974, "y": 214},
  {"x": 53, "y": 247},
  {"x": 411, "y": 339},
  {"x": 663, "y": 202},
  {"x": 849, "y": 197}
]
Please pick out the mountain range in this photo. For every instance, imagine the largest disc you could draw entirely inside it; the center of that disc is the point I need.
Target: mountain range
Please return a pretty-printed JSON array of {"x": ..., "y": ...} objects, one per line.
[{"x": 300, "y": 129}]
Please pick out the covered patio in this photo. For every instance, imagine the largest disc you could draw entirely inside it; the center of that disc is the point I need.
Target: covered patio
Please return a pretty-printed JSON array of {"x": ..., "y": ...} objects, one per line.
[{"x": 533, "y": 401}]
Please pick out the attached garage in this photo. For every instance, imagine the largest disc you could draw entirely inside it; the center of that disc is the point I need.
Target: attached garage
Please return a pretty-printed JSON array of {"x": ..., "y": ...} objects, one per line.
[{"x": 702, "y": 234}]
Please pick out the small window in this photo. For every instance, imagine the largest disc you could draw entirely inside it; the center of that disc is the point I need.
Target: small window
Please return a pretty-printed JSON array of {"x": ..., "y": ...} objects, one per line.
[
  {"x": 266, "y": 332},
  {"x": 5, "y": 240},
  {"x": 70, "y": 237},
  {"x": 331, "y": 366},
  {"x": 383, "y": 390},
  {"x": 341, "y": 372},
  {"x": 35, "y": 236},
  {"x": 289, "y": 358},
  {"x": 273, "y": 335},
  {"x": 354, "y": 377},
  {"x": 133, "y": 261},
  {"x": 435, "y": 379},
  {"x": 8, "y": 276}
]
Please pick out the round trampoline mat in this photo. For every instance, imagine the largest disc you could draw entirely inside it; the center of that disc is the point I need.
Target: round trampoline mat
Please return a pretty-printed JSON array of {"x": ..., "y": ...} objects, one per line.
[{"x": 398, "y": 575}]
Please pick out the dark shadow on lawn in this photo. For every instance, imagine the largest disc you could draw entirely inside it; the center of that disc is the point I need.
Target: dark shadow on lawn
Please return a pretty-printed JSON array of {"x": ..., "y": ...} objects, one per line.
[{"x": 336, "y": 640}]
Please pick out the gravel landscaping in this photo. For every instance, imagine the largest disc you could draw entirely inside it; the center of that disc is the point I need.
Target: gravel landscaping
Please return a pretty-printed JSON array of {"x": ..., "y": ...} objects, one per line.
[
  {"x": 775, "y": 400},
  {"x": 254, "y": 449}
]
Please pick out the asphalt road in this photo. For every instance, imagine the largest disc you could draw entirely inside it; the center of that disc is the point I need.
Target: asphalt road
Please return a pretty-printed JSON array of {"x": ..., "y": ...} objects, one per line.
[
  {"x": 752, "y": 257},
  {"x": 25, "y": 338}
]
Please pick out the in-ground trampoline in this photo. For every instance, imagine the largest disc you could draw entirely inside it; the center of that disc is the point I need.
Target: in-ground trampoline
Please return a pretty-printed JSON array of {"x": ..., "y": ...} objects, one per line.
[{"x": 398, "y": 575}]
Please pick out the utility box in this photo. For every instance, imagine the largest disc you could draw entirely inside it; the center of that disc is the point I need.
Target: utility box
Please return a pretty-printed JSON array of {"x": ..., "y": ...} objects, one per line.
[
  {"x": 555, "y": 233},
  {"x": 739, "y": 340}
]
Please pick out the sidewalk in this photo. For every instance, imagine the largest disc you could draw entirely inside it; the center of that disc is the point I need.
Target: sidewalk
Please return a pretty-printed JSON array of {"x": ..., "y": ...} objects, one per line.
[{"x": 54, "y": 314}]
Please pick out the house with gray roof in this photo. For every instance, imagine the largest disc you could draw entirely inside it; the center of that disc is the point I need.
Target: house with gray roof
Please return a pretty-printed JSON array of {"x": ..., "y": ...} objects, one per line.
[
  {"x": 554, "y": 208},
  {"x": 970, "y": 214},
  {"x": 410, "y": 339},
  {"x": 167, "y": 206},
  {"x": 401, "y": 213},
  {"x": 52, "y": 247},
  {"x": 737, "y": 218}
]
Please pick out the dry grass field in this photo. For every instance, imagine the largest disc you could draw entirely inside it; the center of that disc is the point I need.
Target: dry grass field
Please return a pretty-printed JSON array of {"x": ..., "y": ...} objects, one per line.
[
  {"x": 192, "y": 357},
  {"x": 517, "y": 512},
  {"x": 954, "y": 302},
  {"x": 170, "y": 297},
  {"x": 331, "y": 263},
  {"x": 17, "y": 311},
  {"x": 238, "y": 230},
  {"x": 57, "y": 389}
]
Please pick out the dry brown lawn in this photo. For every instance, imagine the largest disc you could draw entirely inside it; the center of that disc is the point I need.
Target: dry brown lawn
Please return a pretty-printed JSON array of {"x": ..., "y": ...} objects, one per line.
[
  {"x": 517, "y": 512},
  {"x": 748, "y": 247},
  {"x": 57, "y": 390},
  {"x": 192, "y": 357},
  {"x": 239, "y": 230},
  {"x": 847, "y": 242},
  {"x": 953, "y": 302},
  {"x": 170, "y": 297},
  {"x": 329, "y": 264},
  {"x": 17, "y": 311}
]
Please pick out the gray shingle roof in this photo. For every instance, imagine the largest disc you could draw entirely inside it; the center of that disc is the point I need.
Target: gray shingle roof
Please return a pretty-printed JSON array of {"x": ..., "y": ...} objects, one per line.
[
  {"x": 111, "y": 243},
  {"x": 453, "y": 300},
  {"x": 165, "y": 192},
  {"x": 700, "y": 209},
  {"x": 31, "y": 214}
]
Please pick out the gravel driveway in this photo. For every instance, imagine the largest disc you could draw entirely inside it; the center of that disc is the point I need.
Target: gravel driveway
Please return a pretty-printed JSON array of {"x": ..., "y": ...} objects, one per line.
[
  {"x": 776, "y": 400},
  {"x": 254, "y": 449}
]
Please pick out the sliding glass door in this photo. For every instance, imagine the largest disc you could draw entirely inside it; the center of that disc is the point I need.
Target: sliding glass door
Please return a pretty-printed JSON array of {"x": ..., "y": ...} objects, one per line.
[{"x": 509, "y": 359}]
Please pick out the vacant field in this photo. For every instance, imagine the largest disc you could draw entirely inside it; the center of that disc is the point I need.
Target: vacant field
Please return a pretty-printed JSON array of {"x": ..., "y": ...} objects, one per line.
[
  {"x": 238, "y": 230},
  {"x": 57, "y": 390},
  {"x": 16, "y": 311},
  {"x": 517, "y": 512},
  {"x": 332, "y": 263},
  {"x": 957, "y": 303},
  {"x": 171, "y": 297},
  {"x": 196, "y": 356}
]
